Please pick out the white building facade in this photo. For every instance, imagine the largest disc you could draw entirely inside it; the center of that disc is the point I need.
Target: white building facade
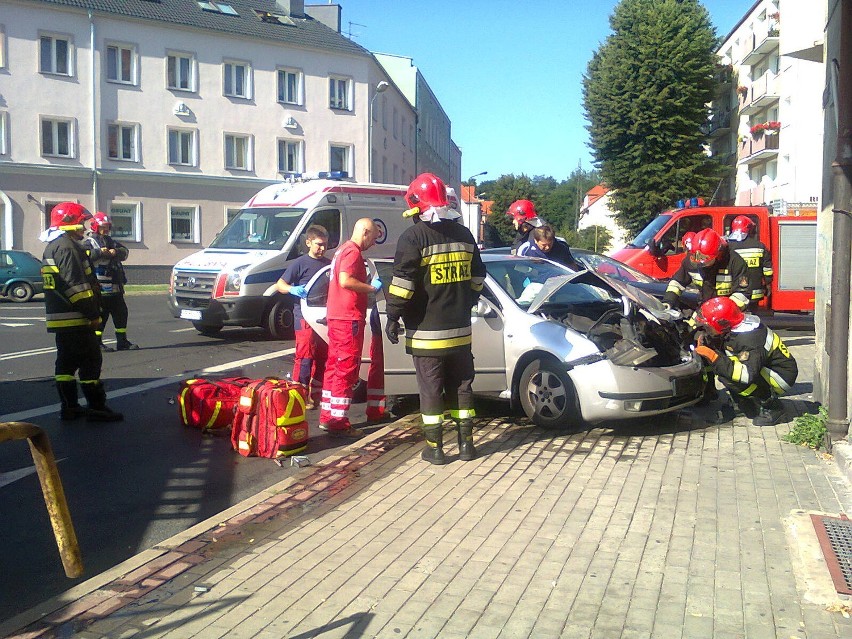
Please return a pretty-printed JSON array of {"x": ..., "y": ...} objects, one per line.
[
  {"x": 170, "y": 114},
  {"x": 767, "y": 117},
  {"x": 597, "y": 211}
]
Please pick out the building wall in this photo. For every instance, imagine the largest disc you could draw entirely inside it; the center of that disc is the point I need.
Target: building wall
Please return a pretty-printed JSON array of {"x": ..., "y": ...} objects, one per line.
[
  {"x": 151, "y": 185},
  {"x": 599, "y": 213}
]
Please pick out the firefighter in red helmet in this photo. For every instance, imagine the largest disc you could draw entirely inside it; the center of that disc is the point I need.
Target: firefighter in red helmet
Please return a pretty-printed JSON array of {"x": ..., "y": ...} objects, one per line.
[
  {"x": 437, "y": 278},
  {"x": 72, "y": 313},
  {"x": 524, "y": 219},
  {"x": 752, "y": 362},
  {"x": 744, "y": 241},
  {"x": 107, "y": 254}
]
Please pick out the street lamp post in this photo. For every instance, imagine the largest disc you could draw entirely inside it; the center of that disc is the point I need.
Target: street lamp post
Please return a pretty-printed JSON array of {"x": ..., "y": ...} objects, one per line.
[{"x": 380, "y": 88}]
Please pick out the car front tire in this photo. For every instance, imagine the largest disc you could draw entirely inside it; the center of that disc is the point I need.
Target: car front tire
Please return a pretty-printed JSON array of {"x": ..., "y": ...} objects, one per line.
[
  {"x": 20, "y": 292},
  {"x": 548, "y": 397},
  {"x": 279, "y": 322},
  {"x": 208, "y": 330}
]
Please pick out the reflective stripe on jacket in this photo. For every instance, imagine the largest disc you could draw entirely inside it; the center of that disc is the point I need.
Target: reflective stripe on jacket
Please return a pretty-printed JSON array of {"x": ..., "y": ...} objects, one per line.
[{"x": 71, "y": 294}]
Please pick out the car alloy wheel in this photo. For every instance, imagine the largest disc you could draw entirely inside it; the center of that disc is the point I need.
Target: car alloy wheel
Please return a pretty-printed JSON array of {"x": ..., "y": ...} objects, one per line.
[
  {"x": 20, "y": 292},
  {"x": 547, "y": 396}
]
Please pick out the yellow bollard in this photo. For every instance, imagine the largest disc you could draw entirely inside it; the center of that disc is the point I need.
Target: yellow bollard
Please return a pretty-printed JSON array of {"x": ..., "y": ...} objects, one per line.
[{"x": 51, "y": 488}]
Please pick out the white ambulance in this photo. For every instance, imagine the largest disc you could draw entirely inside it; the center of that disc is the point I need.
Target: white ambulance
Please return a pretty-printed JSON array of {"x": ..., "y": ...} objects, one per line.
[{"x": 232, "y": 282}]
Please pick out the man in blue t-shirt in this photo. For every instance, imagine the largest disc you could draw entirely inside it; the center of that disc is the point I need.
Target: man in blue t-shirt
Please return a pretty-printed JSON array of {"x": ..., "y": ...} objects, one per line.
[
  {"x": 543, "y": 243},
  {"x": 311, "y": 350}
]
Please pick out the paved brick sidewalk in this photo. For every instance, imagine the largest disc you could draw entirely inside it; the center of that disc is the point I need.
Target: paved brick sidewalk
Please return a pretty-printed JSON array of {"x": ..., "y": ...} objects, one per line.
[{"x": 662, "y": 528}]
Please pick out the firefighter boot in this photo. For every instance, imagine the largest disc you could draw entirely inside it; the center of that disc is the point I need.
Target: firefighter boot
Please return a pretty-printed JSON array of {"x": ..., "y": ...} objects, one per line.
[
  {"x": 124, "y": 344},
  {"x": 467, "y": 452},
  {"x": 434, "y": 451},
  {"x": 770, "y": 413},
  {"x": 70, "y": 407},
  {"x": 96, "y": 400},
  {"x": 104, "y": 347},
  {"x": 710, "y": 393}
]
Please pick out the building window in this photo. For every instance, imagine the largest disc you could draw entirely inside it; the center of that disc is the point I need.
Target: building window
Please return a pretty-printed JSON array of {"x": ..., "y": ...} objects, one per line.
[
  {"x": 2, "y": 46},
  {"x": 238, "y": 152},
  {"x": 237, "y": 80},
  {"x": 289, "y": 156},
  {"x": 55, "y": 54},
  {"x": 340, "y": 158},
  {"x": 338, "y": 94},
  {"x": 57, "y": 138},
  {"x": 231, "y": 213},
  {"x": 126, "y": 221},
  {"x": 395, "y": 124},
  {"x": 180, "y": 72},
  {"x": 290, "y": 86},
  {"x": 404, "y": 131},
  {"x": 48, "y": 208},
  {"x": 121, "y": 63},
  {"x": 122, "y": 142},
  {"x": 4, "y": 132},
  {"x": 182, "y": 147},
  {"x": 183, "y": 224}
]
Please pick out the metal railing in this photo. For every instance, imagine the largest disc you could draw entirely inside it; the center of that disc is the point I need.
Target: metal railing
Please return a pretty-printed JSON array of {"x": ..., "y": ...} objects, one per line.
[{"x": 51, "y": 488}]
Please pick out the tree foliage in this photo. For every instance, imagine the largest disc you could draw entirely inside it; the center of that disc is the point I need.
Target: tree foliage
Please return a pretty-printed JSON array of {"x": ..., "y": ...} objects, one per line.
[
  {"x": 645, "y": 94},
  {"x": 556, "y": 202}
]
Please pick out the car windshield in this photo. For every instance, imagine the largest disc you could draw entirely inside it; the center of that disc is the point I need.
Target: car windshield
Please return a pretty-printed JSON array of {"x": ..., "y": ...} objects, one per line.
[
  {"x": 649, "y": 231},
  {"x": 615, "y": 269},
  {"x": 266, "y": 229},
  {"x": 523, "y": 280}
]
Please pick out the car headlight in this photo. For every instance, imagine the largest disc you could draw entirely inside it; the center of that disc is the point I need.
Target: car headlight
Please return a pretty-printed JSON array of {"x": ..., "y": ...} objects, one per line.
[{"x": 234, "y": 281}]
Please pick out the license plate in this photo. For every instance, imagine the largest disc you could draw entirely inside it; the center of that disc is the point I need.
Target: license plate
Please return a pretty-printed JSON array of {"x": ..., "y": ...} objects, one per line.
[
  {"x": 687, "y": 386},
  {"x": 186, "y": 313}
]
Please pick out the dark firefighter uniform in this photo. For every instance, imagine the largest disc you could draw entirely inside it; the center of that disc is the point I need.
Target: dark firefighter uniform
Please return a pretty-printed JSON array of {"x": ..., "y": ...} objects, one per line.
[
  {"x": 71, "y": 299},
  {"x": 726, "y": 277},
  {"x": 437, "y": 278},
  {"x": 759, "y": 263},
  {"x": 111, "y": 279}
]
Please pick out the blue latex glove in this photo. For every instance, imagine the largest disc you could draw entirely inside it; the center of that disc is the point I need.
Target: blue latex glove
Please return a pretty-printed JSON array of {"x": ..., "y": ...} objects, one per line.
[
  {"x": 376, "y": 283},
  {"x": 298, "y": 291},
  {"x": 527, "y": 282}
]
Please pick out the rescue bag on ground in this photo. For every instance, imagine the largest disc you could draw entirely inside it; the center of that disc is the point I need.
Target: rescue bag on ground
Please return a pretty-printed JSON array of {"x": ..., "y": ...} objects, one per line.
[
  {"x": 270, "y": 419},
  {"x": 210, "y": 404}
]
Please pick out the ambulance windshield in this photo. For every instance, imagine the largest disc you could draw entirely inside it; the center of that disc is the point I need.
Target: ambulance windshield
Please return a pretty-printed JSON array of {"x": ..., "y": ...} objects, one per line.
[{"x": 266, "y": 229}]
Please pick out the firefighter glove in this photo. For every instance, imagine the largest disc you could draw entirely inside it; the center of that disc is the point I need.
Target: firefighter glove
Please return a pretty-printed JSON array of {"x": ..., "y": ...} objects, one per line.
[
  {"x": 707, "y": 353},
  {"x": 392, "y": 331},
  {"x": 298, "y": 291},
  {"x": 376, "y": 283}
]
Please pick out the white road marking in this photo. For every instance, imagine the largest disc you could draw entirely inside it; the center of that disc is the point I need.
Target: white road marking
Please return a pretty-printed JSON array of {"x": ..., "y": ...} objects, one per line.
[
  {"x": 183, "y": 330},
  {"x": 38, "y": 351},
  {"x": 157, "y": 383},
  {"x": 15, "y": 324},
  {"x": 15, "y": 475},
  {"x": 20, "y": 319}
]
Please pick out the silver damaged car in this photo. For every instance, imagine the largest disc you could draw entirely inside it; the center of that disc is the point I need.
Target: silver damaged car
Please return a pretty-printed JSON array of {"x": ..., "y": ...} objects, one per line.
[{"x": 569, "y": 348}]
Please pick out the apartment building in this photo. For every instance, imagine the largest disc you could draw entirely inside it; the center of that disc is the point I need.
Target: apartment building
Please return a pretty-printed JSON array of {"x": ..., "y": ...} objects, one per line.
[
  {"x": 766, "y": 118},
  {"x": 170, "y": 114}
]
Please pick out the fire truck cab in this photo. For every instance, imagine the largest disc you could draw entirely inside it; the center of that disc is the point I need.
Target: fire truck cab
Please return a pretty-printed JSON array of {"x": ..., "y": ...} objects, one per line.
[
  {"x": 232, "y": 281},
  {"x": 789, "y": 234}
]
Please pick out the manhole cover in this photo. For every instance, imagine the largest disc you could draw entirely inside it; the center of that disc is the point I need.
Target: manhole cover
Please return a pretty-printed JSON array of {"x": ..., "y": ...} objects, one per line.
[{"x": 835, "y": 539}]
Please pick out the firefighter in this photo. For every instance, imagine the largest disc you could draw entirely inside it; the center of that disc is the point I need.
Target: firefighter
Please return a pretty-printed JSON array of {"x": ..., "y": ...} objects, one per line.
[
  {"x": 72, "y": 313},
  {"x": 107, "y": 254},
  {"x": 756, "y": 256},
  {"x": 348, "y": 293},
  {"x": 524, "y": 219},
  {"x": 437, "y": 278},
  {"x": 712, "y": 267},
  {"x": 752, "y": 363}
]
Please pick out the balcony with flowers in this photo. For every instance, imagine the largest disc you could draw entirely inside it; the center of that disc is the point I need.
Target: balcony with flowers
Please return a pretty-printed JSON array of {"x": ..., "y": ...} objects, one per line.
[
  {"x": 761, "y": 144},
  {"x": 762, "y": 94},
  {"x": 764, "y": 40}
]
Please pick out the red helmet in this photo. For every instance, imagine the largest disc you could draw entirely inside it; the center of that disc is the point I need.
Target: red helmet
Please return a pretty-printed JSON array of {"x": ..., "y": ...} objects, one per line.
[
  {"x": 69, "y": 216},
  {"x": 99, "y": 221},
  {"x": 687, "y": 240},
  {"x": 427, "y": 190},
  {"x": 523, "y": 211},
  {"x": 741, "y": 228},
  {"x": 705, "y": 247},
  {"x": 720, "y": 314}
]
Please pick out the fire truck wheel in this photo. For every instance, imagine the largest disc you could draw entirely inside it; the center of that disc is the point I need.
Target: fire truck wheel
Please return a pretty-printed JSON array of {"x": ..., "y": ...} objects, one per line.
[{"x": 279, "y": 321}]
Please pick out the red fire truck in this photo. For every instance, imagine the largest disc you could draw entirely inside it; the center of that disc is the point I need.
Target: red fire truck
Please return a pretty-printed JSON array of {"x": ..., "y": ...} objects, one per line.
[{"x": 790, "y": 234}]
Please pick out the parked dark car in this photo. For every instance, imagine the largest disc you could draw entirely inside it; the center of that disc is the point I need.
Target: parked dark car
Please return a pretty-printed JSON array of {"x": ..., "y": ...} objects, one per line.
[{"x": 20, "y": 275}]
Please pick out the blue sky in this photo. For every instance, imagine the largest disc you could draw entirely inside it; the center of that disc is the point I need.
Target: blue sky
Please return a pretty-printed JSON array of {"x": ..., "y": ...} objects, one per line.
[{"x": 508, "y": 73}]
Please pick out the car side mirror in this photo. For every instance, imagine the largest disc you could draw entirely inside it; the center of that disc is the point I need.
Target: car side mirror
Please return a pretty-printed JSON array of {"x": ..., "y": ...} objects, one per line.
[
  {"x": 654, "y": 248},
  {"x": 483, "y": 309}
]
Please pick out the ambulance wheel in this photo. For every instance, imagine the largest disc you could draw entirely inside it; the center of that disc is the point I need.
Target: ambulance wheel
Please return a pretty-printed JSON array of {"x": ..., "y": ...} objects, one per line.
[
  {"x": 210, "y": 330},
  {"x": 279, "y": 321},
  {"x": 548, "y": 397}
]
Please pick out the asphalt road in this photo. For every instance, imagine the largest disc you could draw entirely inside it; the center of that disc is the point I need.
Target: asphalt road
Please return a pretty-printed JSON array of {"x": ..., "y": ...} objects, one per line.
[{"x": 134, "y": 483}]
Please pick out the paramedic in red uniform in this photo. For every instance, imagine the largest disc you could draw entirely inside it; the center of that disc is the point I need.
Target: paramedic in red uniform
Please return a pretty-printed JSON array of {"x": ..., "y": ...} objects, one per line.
[
  {"x": 437, "y": 278},
  {"x": 311, "y": 350},
  {"x": 348, "y": 293}
]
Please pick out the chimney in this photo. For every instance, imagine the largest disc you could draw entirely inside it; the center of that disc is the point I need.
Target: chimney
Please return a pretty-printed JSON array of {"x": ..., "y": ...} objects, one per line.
[
  {"x": 292, "y": 8},
  {"x": 328, "y": 14}
]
